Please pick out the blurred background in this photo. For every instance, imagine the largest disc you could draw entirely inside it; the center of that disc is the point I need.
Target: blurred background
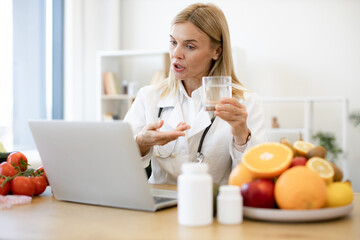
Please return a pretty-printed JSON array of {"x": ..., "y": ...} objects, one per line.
[{"x": 301, "y": 56}]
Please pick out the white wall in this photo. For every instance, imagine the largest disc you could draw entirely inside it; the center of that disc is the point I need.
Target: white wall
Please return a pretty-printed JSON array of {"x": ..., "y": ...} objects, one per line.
[
  {"x": 6, "y": 58},
  {"x": 291, "y": 48}
]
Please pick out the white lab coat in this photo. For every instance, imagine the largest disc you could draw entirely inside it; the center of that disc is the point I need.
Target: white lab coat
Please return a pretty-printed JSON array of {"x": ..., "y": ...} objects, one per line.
[{"x": 218, "y": 147}]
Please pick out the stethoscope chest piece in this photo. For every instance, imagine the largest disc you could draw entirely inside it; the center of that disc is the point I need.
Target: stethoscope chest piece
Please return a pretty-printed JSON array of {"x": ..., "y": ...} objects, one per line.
[{"x": 199, "y": 157}]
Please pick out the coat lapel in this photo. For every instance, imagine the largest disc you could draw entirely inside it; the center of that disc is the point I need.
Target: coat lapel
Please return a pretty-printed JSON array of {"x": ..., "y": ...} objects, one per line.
[
  {"x": 201, "y": 121},
  {"x": 176, "y": 115}
]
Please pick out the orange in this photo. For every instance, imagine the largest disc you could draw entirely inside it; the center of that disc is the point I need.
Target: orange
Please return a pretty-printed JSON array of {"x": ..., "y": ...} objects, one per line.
[
  {"x": 240, "y": 175},
  {"x": 322, "y": 167},
  {"x": 300, "y": 188},
  {"x": 302, "y": 147},
  {"x": 268, "y": 160}
]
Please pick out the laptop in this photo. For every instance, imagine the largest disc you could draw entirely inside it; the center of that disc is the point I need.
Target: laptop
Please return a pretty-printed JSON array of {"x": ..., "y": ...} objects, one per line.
[{"x": 96, "y": 163}]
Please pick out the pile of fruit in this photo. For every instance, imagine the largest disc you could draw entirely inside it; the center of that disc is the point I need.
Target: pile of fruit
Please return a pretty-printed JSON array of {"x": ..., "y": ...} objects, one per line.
[
  {"x": 290, "y": 176},
  {"x": 16, "y": 178}
]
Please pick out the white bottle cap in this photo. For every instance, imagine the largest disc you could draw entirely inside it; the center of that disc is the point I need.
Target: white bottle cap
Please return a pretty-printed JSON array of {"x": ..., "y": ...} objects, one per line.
[{"x": 229, "y": 189}]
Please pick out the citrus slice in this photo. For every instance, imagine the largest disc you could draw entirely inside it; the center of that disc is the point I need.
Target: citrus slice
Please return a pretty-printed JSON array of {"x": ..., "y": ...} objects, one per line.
[
  {"x": 300, "y": 188},
  {"x": 268, "y": 160},
  {"x": 302, "y": 147},
  {"x": 322, "y": 167}
]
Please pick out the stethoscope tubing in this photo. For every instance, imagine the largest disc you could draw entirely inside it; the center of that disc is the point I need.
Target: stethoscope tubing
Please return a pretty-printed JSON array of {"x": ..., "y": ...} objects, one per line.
[{"x": 199, "y": 155}]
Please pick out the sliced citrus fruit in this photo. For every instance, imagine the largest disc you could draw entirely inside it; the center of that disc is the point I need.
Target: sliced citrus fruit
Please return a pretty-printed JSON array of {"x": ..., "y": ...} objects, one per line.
[
  {"x": 322, "y": 167},
  {"x": 240, "y": 175},
  {"x": 302, "y": 147},
  {"x": 268, "y": 160},
  {"x": 300, "y": 188}
]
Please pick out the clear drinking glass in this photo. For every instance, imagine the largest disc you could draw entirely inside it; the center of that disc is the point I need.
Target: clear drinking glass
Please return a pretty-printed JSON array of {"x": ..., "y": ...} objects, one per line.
[{"x": 215, "y": 88}]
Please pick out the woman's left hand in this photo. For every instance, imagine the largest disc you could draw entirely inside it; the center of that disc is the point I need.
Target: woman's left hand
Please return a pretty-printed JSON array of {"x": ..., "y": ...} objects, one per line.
[{"x": 234, "y": 113}]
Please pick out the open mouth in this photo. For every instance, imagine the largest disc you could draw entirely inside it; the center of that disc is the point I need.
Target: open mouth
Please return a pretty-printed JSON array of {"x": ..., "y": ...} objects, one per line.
[{"x": 178, "y": 66}]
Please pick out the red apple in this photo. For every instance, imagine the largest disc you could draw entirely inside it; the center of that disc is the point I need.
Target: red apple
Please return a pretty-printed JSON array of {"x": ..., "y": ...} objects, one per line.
[
  {"x": 259, "y": 193},
  {"x": 298, "y": 161}
]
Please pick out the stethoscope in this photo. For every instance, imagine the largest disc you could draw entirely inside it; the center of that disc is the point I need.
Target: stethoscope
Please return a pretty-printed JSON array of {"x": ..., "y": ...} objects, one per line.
[{"x": 199, "y": 155}]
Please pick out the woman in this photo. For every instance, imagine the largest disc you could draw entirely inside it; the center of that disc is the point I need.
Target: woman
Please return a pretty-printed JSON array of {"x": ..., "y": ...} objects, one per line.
[{"x": 169, "y": 119}]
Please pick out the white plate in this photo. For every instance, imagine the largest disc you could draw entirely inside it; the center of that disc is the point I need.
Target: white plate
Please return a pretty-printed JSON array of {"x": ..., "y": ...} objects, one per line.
[{"x": 279, "y": 215}]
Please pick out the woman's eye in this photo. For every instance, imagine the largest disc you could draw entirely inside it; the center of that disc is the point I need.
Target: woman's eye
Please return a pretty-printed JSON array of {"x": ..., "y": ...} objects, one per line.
[
  {"x": 172, "y": 42},
  {"x": 190, "y": 47}
]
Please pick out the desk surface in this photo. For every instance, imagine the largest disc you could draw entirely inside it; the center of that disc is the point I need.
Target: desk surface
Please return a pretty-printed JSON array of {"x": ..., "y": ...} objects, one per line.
[{"x": 48, "y": 218}]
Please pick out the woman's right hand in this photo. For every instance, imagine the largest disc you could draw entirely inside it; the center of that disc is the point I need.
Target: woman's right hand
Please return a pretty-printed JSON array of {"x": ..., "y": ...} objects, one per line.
[{"x": 150, "y": 136}]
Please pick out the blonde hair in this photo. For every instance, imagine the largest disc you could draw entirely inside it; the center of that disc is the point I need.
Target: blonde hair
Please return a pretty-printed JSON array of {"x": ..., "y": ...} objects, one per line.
[{"x": 211, "y": 20}]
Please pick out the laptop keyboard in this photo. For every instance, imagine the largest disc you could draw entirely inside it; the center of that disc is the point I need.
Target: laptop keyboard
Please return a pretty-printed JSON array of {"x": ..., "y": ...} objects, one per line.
[{"x": 162, "y": 199}]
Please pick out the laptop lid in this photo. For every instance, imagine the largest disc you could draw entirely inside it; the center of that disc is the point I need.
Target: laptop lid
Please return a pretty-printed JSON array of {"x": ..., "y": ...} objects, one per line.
[{"x": 94, "y": 163}]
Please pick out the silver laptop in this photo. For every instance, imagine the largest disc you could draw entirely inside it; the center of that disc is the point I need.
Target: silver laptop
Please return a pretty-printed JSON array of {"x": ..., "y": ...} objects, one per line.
[{"x": 96, "y": 163}]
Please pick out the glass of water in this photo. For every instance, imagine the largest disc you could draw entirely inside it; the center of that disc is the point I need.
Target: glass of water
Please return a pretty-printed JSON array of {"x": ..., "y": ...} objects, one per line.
[{"x": 215, "y": 88}]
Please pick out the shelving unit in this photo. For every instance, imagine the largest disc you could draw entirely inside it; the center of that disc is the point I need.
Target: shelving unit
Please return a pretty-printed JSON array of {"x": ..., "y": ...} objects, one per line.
[
  {"x": 307, "y": 129},
  {"x": 136, "y": 67}
]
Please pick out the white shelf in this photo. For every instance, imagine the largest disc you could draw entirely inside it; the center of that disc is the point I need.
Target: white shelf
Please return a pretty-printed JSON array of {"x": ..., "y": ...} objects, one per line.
[
  {"x": 308, "y": 120},
  {"x": 303, "y": 99},
  {"x": 137, "y": 67},
  {"x": 286, "y": 130},
  {"x": 117, "y": 97},
  {"x": 136, "y": 52}
]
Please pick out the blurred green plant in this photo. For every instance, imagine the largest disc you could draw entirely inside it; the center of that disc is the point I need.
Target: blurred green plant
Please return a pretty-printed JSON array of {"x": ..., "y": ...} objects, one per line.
[
  {"x": 355, "y": 118},
  {"x": 328, "y": 140}
]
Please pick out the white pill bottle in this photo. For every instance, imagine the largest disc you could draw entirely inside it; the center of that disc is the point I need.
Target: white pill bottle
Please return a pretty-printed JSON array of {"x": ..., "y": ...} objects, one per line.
[
  {"x": 229, "y": 205},
  {"x": 195, "y": 195}
]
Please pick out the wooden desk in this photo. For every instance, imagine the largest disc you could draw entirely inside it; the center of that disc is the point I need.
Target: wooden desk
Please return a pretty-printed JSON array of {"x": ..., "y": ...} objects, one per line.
[{"x": 48, "y": 218}]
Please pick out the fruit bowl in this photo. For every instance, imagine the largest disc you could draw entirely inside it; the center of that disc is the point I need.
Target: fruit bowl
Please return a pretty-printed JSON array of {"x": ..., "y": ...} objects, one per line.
[{"x": 279, "y": 215}]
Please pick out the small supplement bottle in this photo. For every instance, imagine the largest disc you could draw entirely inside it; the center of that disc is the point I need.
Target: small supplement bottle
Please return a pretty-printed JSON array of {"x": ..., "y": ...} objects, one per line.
[
  {"x": 229, "y": 205},
  {"x": 195, "y": 195}
]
